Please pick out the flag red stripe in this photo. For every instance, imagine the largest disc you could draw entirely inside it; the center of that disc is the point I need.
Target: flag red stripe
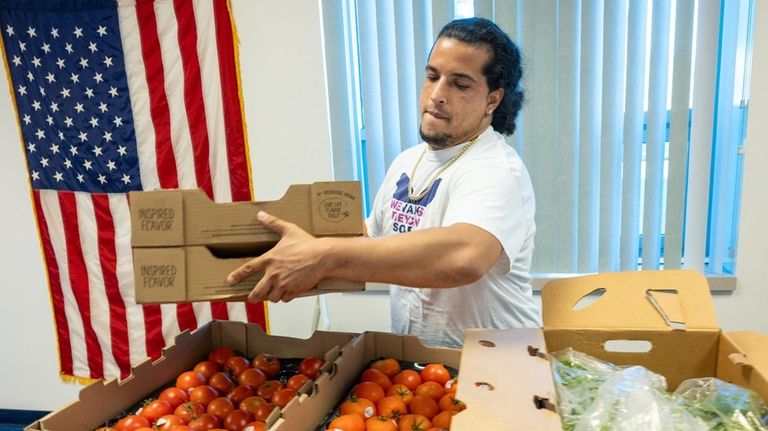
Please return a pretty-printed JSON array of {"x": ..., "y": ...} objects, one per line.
[
  {"x": 185, "y": 315},
  {"x": 158, "y": 106},
  {"x": 57, "y": 296},
  {"x": 118, "y": 323},
  {"x": 240, "y": 181},
  {"x": 78, "y": 278},
  {"x": 153, "y": 331},
  {"x": 219, "y": 311},
  {"x": 193, "y": 93},
  {"x": 256, "y": 314}
]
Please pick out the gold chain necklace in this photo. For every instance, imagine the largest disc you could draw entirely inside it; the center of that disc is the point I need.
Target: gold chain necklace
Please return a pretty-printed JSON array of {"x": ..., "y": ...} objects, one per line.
[{"x": 413, "y": 197}]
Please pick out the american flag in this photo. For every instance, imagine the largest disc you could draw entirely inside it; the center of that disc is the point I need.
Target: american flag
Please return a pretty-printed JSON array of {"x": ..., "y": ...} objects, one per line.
[{"x": 112, "y": 97}]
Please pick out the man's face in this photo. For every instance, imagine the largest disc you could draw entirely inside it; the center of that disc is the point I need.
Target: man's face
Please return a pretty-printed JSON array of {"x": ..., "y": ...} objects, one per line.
[{"x": 454, "y": 98}]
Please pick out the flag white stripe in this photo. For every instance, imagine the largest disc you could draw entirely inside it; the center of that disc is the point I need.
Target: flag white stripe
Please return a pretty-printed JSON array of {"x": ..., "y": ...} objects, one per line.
[
  {"x": 133, "y": 313},
  {"x": 49, "y": 199},
  {"x": 208, "y": 56},
  {"x": 173, "y": 67},
  {"x": 140, "y": 104},
  {"x": 100, "y": 315}
]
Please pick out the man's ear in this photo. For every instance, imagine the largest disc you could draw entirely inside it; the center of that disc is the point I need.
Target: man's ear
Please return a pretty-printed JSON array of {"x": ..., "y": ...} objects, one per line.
[{"x": 494, "y": 98}]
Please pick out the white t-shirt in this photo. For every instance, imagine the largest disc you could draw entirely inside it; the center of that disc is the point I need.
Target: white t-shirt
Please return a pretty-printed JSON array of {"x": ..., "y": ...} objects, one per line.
[{"x": 489, "y": 187}]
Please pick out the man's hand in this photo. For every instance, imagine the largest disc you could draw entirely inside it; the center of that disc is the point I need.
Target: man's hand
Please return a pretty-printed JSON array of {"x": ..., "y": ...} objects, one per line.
[{"x": 290, "y": 268}]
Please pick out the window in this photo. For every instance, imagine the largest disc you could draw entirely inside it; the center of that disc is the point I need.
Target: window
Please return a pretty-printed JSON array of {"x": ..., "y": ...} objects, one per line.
[{"x": 632, "y": 131}]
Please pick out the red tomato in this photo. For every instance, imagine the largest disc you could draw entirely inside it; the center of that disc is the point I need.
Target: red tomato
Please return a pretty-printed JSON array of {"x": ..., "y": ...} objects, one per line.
[
  {"x": 167, "y": 422},
  {"x": 175, "y": 396},
  {"x": 251, "y": 377},
  {"x": 283, "y": 397},
  {"x": 190, "y": 379},
  {"x": 236, "y": 420},
  {"x": 207, "y": 368},
  {"x": 204, "y": 422},
  {"x": 221, "y": 382},
  {"x": 310, "y": 367},
  {"x": 188, "y": 411},
  {"x": 408, "y": 378},
  {"x": 131, "y": 423},
  {"x": 179, "y": 428},
  {"x": 435, "y": 373},
  {"x": 268, "y": 364},
  {"x": 236, "y": 365},
  {"x": 268, "y": 389},
  {"x": 155, "y": 409},
  {"x": 297, "y": 381},
  {"x": 376, "y": 376},
  {"x": 347, "y": 423},
  {"x": 240, "y": 393},
  {"x": 390, "y": 367},
  {"x": 263, "y": 412},
  {"x": 251, "y": 404},
  {"x": 220, "y": 407},
  {"x": 203, "y": 395},
  {"x": 255, "y": 426},
  {"x": 220, "y": 355}
]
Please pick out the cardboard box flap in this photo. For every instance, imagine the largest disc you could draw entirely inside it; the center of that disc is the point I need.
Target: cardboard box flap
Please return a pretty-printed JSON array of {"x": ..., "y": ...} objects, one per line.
[
  {"x": 743, "y": 360},
  {"x": 659, "y": 300},
  {"x": 505, "y": 374}
]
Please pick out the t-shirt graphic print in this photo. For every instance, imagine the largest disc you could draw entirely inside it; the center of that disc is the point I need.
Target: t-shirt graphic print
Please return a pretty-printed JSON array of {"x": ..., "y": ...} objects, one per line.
[{"x": 407, "y": 214}]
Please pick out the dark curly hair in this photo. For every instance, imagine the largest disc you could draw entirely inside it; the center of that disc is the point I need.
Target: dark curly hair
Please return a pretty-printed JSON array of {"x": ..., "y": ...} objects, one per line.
[{"x": 504, "y": 70}]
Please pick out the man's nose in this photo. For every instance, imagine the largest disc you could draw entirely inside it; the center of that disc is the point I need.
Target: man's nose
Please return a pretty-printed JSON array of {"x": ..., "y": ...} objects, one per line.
[{"x": 437, "y": 94}]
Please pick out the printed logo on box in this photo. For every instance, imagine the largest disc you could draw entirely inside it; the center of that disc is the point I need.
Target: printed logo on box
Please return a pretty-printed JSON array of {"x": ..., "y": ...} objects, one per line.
[
  {"x": 158, "y": 276},
  {"x": 334, "y": 209},
  {"x": 156, "y": 219}
]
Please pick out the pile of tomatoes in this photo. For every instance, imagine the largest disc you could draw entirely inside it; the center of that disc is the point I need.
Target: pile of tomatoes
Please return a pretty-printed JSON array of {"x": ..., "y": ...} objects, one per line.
[
  {"x": 225, "y": 392},
  {"x": 388, "y": 398}
]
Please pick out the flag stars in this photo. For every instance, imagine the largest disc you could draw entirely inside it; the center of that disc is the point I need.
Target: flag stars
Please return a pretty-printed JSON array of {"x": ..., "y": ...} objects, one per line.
[
  {"x": 97, "y": 151},
  {"x": 112, "y": 91},
  {"x": 31, "y": 147},
  {"x": 55, "y": 32},
  {"x": 102, "y": 31},
  {"x": 68, "y": 47},
  {"x": 98, "y": 77},
  {"x": 31, "y": 31},
  {"x": 111, "y": 165},
  {"x": 22, "y": 90},
  {"x": 27, "y": 119},
  {"x": 87, "y": 165},
  {"x": 42, "y": 90},
  {"x": 75, "y": 78},
  {"x": 118, "y": 121},
  {"x": 61, "y": 135},
  {"x": 22, "y": 46},
  {"x": 126, "y": 179},
  {"x": 79, "y": 108},
  {"x": 73, "y": 150},
  {"x": 54, "y": 107},
  {"x": 89, "y": 92},
  {"x": 80, "y": 178},
  {"x": 103, "y": 107},
  {"x": 36, "y": 105},
  {"x": 107, "y": 136},
  {"x": 58, "y": 176},
  {"x": 44, "y": 162},
  {"x": 49, "y": 120},
  {"x": 67, "y": 163},
  {"x": 60, "y": 62},
  {"x": 83, "y": 136},
  {"x": 78, "y": 32},
  {"x": 92, "y": 47},
  {"x": 40, "y": 134},
  {"x": 50, "y": 77},
  {"x": 121, "y": 150},
  {"x": 94, "y": 122},
  {"x": 54, "y": 148},
  {"x": 30, "y": 76},
  {"x": 35, "y": 175},
  {"x": 83, "y": 62},
  {"x": 9, "y": 30},
  {"x": 46, "y": 48},
  {"x": 64, "y": 92},
  {"x": 68, "y": 121},
  {"x": 102, "y": 179},
  {"x": 36, "y": 61},
  {"x": 16, "y": 60},
  {"x": 107, "y": 61}
]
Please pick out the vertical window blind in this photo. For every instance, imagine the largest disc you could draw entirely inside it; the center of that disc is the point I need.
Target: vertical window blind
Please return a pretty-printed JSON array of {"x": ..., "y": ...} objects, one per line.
[{"x": 632, "y": 129}]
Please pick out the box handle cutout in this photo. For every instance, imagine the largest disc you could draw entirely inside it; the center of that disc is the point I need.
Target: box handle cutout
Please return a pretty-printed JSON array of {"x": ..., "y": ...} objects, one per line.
[
  {"x": 486, "y": 343},
  {"x": 740, "y": 359},
  {"x": 588, "y": 299},
  {"x": 666, "y": 303},
  {"x": 544, "y": 403},
  {"x": 628, "y": 346},
  {"x": 484, "y": 386},
  {"x": 534, "y": 351}
]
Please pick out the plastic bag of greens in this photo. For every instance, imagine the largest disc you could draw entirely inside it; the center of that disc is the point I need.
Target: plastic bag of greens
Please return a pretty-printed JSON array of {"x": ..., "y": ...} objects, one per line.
[
  {"x": 577, "y": 378},
  {"x": 723, "y": 406},
  {"x": 636, "y": 399}
]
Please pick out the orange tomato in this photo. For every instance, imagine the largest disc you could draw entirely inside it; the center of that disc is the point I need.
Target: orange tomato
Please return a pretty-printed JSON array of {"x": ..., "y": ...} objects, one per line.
[
  {"x": 388, "y": 366},
  {"x": 413, "y": 422},
  {"x": 347, "y": 423},
  {"x": 443, "y": 419},
  {"x": 392, "y": 407},
  {"x": 402, "y": 392},
  {"x": 376, "y": 376},
  {"x": 407, "y": 378},
  {"x": 430, "y": 389},
  {"x": 435, "y": 373},
  {"x": 358, "y": 406},
  {"x": 449, "y": 403},
  {"x": 380, "y": 423},
  {"x": 437, "y": 429},
  {"x": 423, "y": 405},
  {"x": 369, "y": 390},
  {"x": 175, "y": 396},
  {"x": 255, "y": 426}
]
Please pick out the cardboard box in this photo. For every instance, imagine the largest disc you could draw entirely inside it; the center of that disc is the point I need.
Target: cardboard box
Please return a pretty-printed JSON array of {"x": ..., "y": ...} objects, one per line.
[
  {"x": 184, "y": 244},
  {"x": 181, "y": 274},
  {"x": 168, "y": 218},
  {"x": 104, "y": 400}
]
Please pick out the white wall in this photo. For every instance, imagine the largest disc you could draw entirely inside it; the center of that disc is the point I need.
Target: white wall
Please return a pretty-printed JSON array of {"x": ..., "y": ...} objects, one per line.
[{"x": 289, "y": 139}]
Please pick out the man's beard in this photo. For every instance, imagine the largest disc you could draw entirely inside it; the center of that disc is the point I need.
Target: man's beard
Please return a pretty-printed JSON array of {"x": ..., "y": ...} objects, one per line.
[{"x": 439, "y": 140}]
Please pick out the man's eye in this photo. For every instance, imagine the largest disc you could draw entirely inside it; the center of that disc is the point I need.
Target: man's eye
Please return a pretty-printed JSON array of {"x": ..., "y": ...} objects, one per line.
[
  {"x": 432, "y": 78},
  {"x": 462, "y": 86}
]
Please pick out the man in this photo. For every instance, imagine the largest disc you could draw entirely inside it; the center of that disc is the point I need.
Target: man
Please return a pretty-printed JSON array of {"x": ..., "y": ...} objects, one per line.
[{"x": 454, "y": 217}]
